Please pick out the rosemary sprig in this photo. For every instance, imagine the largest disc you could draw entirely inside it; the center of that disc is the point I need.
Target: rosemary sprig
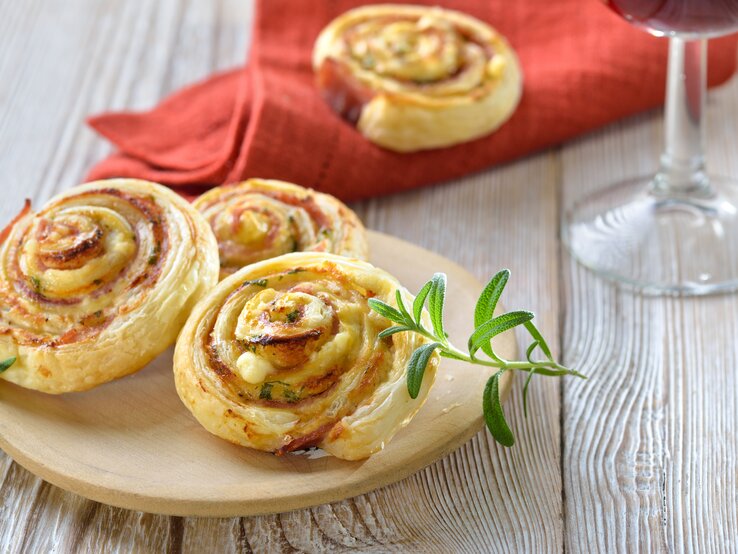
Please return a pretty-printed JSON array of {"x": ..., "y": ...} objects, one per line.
[
  {"x": 5, "y": 364},
  {"x": 487, "y": 326}
]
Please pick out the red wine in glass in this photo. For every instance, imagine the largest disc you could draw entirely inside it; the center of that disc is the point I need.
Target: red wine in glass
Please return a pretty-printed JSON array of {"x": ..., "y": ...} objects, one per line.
[
  {"x": 675, "y": 231},
  {"x": 702, "y": 18}
]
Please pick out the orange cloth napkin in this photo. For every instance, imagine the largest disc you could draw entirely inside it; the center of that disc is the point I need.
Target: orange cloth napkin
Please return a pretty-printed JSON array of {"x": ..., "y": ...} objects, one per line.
[{"x": 583, "y": 67}]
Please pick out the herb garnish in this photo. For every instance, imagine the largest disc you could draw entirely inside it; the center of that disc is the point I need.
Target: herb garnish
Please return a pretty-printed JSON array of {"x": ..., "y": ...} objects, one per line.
[
  {"x": 290, "y": 395},
  {"x": 36, "y": 282},
  {"x": 155, "y": 254},
  {"x": 5, "y": 364},
  {"x": 257, "y": 282},
  {"x": 486, "y": 326},
  {"x": 266, "y": 391},
  {"x": 251, "y": 347},
  {"x": 293, "y": 315}
]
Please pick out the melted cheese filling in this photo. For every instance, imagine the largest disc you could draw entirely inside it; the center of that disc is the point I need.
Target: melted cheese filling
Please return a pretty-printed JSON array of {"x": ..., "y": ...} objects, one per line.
[{"x": 252, "y": 368}]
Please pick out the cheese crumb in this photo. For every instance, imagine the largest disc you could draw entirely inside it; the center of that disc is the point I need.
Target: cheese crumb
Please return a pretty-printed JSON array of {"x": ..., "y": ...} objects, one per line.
[{"x": 252, "y": 368}]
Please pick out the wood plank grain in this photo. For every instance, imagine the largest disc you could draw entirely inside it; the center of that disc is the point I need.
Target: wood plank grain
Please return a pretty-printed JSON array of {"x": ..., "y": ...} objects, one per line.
[
  {"x": 109, "y": 56},
  {"x": 483, "y": 498},
  {"x": 649, "y": 440}
]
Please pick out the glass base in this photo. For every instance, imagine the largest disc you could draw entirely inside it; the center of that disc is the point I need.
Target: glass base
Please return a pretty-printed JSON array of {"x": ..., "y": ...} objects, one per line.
[{"x": 657, "y": 242}]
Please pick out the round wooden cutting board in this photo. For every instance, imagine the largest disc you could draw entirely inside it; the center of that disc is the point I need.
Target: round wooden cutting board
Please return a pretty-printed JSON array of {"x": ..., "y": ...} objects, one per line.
[{"x": 131, "y": 443}]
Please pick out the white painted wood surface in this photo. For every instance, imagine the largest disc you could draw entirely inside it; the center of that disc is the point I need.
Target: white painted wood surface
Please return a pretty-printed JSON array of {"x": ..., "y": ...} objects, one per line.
[{"x": 642, "y": 457}]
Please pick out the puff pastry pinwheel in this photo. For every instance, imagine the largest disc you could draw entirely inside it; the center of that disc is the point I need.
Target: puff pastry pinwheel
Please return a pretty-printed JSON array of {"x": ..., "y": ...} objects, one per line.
[
  {"x": 414, "y": 77},
  {"x": 260, "y": 219},
  {"x": 99, "y": 282},
  {"x": 284, "y": 355}
]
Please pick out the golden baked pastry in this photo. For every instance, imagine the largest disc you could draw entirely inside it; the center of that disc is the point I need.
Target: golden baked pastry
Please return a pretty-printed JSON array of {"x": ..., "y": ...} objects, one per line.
[
  {"x": 260, "y": 219},
  {"x": 99, "y": 282},
  {"x": 415, "y": 77},
  {"x": 284, "y": 355}
]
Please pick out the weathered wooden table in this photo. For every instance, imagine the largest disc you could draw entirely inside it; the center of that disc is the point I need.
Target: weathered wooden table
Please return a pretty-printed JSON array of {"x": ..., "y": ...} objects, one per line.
[{"x": 642, "y": 457}]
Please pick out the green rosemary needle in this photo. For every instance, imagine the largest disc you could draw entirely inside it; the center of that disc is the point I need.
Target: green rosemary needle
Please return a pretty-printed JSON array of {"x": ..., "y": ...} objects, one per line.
[{"x": 5, "y": 364}]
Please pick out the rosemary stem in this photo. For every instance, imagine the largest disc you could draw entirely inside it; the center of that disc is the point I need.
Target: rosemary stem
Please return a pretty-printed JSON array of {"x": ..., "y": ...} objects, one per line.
[{"x": 526, "y": 366}]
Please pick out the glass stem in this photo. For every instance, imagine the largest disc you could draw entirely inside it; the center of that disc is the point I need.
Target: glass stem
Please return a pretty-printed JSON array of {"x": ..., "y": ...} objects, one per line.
[{"x": 683, "y": 163}]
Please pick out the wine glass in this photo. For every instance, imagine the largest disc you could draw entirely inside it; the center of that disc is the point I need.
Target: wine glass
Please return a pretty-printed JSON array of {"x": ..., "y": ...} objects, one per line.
[{"x": 677, "y": 231}]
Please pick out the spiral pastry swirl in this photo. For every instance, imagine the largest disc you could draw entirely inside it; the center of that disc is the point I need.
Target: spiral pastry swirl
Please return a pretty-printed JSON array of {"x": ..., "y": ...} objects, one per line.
[
  {"x": 285, "y": 355},
  {"x": 413, "y": 77},
  {"x": 260, "y": 219},
  {"x": 99, "y": 282}
]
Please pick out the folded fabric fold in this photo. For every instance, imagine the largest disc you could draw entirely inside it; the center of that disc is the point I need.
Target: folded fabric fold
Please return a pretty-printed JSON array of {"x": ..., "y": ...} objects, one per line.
[{"x": 583, "y": 68}]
